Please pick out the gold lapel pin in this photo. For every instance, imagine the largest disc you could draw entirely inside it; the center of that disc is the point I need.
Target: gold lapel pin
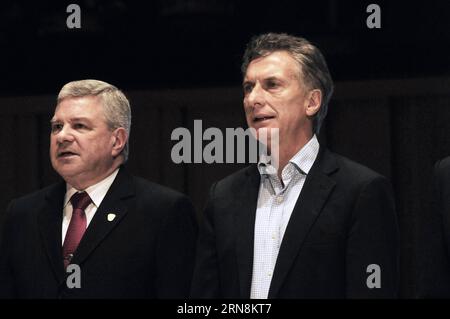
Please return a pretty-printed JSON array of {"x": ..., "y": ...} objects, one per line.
[{"x": 111, "y": 217}]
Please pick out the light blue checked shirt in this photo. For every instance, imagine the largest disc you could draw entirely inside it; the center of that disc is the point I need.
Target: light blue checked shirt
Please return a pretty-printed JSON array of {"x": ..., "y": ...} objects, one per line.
[{"x": 274, "y": 209}]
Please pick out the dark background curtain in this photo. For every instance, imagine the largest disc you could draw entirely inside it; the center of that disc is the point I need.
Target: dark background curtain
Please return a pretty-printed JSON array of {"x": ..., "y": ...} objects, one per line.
[
  {"x": 178, "y": 61},
  {"x": 398, "y": 128}
]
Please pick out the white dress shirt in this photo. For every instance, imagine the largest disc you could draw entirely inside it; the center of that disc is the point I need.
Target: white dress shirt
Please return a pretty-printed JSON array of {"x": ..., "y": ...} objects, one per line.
[
  {"x": 276, "y": 201},
  {"x": 96, "y": 192}
]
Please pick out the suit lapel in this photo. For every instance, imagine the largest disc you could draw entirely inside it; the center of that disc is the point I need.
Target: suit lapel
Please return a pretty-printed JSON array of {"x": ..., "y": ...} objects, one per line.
[
  {"x": 314, "y": 194},
  {"x": 113, "y": 205},
  {"x": 50, "y": 228},
  {"x": 244, "y": 227}
]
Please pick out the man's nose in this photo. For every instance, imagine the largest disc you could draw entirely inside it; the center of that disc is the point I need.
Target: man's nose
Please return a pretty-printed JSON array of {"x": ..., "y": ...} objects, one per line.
[{"x": 64, "y": 135}]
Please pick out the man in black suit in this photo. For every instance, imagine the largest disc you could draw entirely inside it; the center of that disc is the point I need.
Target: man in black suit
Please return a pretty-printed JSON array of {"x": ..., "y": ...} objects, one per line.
[
  {"x": 100, "y": 233},
  {"x": 316, "y": 225},
  {"x": 434, "y": 241}
]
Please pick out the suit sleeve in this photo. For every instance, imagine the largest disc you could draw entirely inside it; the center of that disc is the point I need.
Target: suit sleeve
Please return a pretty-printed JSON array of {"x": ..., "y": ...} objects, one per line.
[
  {"x": 176, "y": 251},
  {"x": 6, "y": 274},
  {"x": 433, "y": 277},
  {"x": 373, "y": 244},
  {"x": 205, "y": 282}
]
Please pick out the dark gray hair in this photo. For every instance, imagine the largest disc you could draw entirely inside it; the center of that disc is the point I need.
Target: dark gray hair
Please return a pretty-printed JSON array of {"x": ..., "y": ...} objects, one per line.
[
  {"x": 313, "y": 67},
  {"x": 116, "y": 106}
]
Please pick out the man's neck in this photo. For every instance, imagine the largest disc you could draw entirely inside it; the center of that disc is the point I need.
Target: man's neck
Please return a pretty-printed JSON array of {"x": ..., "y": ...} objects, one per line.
[{"x": 80, "y": 183}]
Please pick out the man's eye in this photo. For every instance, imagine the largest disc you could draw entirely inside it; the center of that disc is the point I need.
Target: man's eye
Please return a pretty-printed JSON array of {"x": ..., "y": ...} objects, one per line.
[
  {"x": 247, "y": 88},
  {"x": 56, "y": 127},
  {"x": 271, "y": 85},
  {"x": 79, "y": 126}
]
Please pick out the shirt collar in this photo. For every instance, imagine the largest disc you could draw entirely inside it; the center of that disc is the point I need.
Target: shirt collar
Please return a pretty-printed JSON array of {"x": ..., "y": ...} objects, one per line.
[
  {"x": 303, "y": 160},
  {"x": 96, "y": 192}
]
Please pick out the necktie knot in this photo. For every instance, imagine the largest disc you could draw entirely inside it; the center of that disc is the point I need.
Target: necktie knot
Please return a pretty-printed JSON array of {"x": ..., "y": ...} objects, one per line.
[{"x": 80, "y": 200}]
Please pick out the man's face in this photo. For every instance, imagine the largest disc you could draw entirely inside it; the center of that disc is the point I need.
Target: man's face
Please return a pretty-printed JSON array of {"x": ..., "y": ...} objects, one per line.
[
  {"x": 275, "y": 97},
  {"x": 81, "y": 144}
]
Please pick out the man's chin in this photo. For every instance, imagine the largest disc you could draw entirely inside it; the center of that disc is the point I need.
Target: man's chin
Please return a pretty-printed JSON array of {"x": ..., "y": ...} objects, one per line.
[
  {"x": 66, "y": 170},
  {"x": 265, "y": 134}
]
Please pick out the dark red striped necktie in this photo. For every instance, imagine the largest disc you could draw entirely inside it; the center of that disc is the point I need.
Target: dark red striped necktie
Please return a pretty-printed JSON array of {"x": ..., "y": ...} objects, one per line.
[{"x": 77, "y": 225}]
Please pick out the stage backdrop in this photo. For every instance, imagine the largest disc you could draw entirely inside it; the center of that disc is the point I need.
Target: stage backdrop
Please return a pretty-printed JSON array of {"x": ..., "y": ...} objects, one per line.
[{"x": 396, "y": 127}]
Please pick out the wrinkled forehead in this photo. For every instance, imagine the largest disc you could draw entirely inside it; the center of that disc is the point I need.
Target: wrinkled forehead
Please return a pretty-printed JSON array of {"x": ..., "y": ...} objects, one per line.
[
  {"x": 274, "y": 64},
  {"x": 91, "y": 98},
  {"x": 79, "y": 106}
]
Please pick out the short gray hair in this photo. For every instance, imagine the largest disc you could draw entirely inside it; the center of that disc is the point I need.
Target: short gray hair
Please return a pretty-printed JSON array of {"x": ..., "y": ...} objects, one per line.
[
  {"x": 313, "y": 67},
  {"x": 116, "y": 106}
]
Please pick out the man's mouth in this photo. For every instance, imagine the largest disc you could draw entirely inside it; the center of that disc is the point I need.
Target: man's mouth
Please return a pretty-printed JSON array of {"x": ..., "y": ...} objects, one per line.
[
  {"x": 262, "y": 118},
  {"x": 66, "y": 154}
]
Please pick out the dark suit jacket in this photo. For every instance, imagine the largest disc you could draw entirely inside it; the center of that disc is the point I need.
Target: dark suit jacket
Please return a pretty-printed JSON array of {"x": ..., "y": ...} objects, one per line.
[
  {"x": 147, "y": 251},
  {"x": 434, "y": 241},
  {"x": 343, "y": 221}
]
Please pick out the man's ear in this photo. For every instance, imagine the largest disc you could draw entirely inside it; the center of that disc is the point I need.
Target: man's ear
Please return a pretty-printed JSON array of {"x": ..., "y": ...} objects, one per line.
[
  {"x": 120, "y": 139},
  {"x": 313, "y": 102}
]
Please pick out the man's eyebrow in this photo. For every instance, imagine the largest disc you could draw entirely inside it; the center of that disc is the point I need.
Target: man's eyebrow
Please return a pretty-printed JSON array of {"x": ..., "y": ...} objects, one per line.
[
  {"x": 74, "y": 119},
  {"x": 271, "y": 78},
  {"x": 246, "y": 82},
  {"x": 268, "y": 78}
]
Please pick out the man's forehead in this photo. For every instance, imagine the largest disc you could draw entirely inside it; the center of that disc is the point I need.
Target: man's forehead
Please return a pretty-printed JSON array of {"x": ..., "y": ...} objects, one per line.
[
  {"x": 78, "y": 107},
  {"x": 78, "y": 99},
  {"x": 274, "y": 64}
]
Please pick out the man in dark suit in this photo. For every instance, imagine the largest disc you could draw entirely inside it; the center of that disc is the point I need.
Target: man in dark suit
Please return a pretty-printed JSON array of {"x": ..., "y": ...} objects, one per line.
[
  {"x": 100, "y": 233},
  {"x": 316, "y": 225},
  {"x": 434, "y": 241}
]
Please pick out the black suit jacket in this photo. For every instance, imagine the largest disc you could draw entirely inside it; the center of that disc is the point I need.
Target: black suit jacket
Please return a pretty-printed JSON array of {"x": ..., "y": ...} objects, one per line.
[
  {"x": 147, "y": 251},
  {"x": 434, "y": 241},
  {"x": 343, "y": 221}
]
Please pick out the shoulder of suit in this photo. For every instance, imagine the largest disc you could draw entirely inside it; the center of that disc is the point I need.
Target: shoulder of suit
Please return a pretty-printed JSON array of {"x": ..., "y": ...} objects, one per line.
[
  {"x": 160, "y": 200},
  {"x": 238, "y": 177},
  {"x": 32, "y": 202},
  {"x": 442, "y": 166},
  {"x": 345, "y": 168},
  {"x": 355, "y": 172},
  {"x": 38, "y": 195},
  {"x": 153, "y": 190}
]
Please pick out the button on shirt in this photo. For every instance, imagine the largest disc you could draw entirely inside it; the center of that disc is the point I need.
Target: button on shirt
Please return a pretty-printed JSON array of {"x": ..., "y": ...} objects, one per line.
[
  {"x": 276, "y": 201},
  {"x": 96, "y": 192}
]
